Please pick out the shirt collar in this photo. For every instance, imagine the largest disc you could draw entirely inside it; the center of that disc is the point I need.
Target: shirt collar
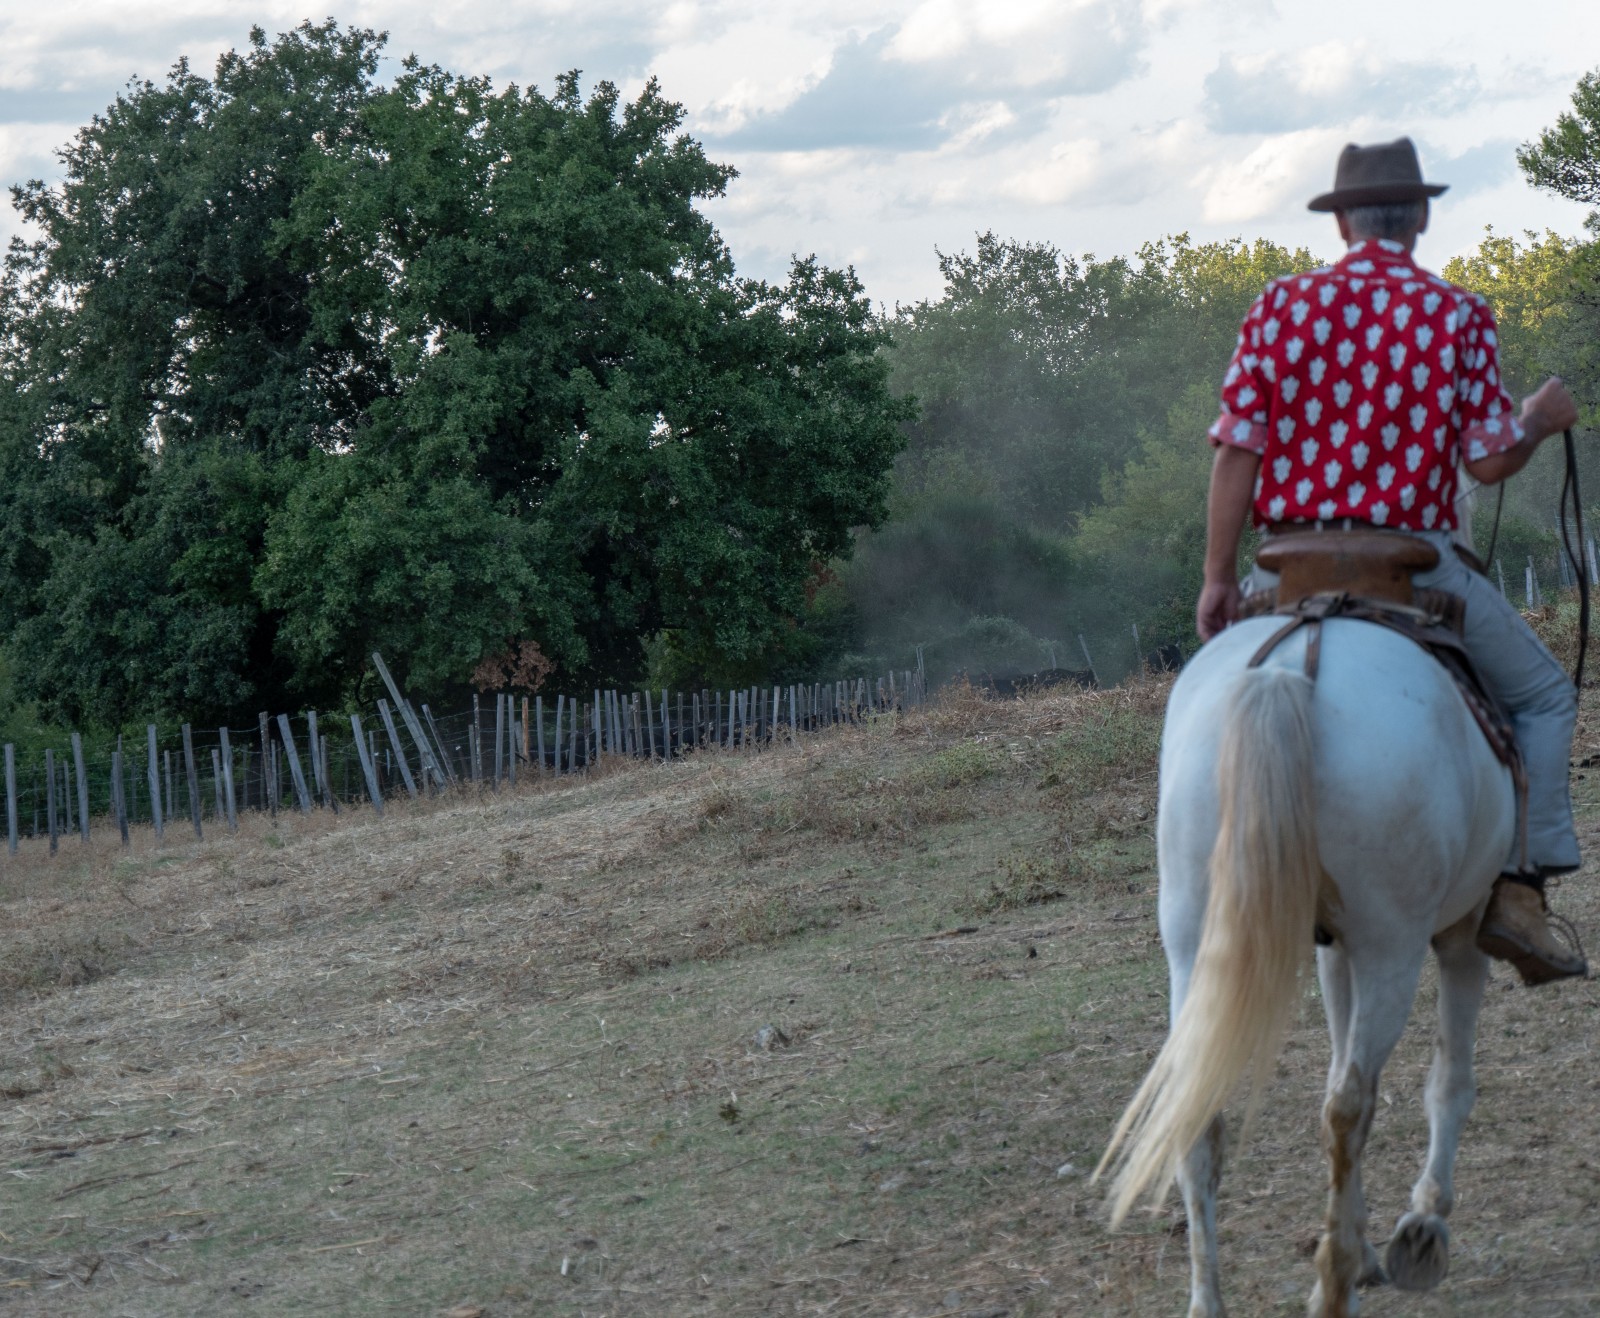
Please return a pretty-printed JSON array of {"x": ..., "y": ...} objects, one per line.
[{"x": 1377, "y": 253}]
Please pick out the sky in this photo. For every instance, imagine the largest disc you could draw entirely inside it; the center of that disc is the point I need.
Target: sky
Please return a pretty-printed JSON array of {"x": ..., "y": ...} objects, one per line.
[{"x": 875, "y": 133}]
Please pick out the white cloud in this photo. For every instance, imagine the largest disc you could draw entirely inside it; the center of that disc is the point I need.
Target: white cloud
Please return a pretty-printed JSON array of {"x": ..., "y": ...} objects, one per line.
[
  {"x": 1105, "y": 171},
  {"x": 1025, "y": 43},
  {"x": 742, "y": 71},
  {"x": 1282, "y": 173},
  {"x": 873, "y": 130},
  {"x": 902, "y": 87},
  {"x": 1332, "y": 82}
]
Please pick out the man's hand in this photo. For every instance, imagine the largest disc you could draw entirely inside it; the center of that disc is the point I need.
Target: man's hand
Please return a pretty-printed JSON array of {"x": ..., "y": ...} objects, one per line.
[
  {"x": 1548, "y": 410},
  {"x": 1233, "y": 483},
  {"x": 1218, "y": 607}
]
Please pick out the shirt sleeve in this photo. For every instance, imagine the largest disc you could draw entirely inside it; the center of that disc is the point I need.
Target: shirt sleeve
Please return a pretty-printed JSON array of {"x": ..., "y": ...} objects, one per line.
[
  {"x": 1243, "y": 420},
  {"x": 1484, "y": 417}
]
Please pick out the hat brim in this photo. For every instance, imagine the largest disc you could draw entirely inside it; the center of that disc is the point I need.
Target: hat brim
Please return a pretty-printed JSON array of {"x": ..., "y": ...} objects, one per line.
[{"x": 1375, "y": 194}]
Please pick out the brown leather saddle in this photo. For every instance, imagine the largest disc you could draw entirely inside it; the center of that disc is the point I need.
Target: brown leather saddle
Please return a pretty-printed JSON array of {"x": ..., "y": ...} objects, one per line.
[{"x": 1366, "y": 575}]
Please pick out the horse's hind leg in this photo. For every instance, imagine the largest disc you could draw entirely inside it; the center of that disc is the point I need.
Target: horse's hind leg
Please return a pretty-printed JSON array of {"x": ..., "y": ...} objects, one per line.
[
  {"x": 1379, "y": 1001},
  {"x": 1199, "y": 1175},
  {"x": 1418, "y": 1254},
  {"x": 1338, "y": 994}
]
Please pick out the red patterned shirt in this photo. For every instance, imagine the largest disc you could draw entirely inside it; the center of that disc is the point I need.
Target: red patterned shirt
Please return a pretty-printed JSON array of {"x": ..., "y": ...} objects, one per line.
[{"x": 1360, "y": 385}]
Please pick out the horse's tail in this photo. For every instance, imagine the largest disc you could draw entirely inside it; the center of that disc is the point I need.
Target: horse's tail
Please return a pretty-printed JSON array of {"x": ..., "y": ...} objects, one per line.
[{"x": 1245, "y": 986}]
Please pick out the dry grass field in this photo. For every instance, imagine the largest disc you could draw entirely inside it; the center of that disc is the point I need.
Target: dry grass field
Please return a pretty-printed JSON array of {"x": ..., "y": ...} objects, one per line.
[{"x": 833, "y": 1029}]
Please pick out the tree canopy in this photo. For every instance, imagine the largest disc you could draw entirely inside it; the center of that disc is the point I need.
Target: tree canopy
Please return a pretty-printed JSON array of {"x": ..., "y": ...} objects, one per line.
[
  {"x": 1055, "y": 483},
  {"x": 1055, "y": 480},
  {"x": 301, "y": 364},
  {"x": 1566, "y": 158}
]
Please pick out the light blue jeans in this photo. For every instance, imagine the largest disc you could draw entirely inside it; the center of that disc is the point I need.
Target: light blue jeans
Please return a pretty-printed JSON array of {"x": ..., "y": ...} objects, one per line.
[{"x": 1534, "y": 687}]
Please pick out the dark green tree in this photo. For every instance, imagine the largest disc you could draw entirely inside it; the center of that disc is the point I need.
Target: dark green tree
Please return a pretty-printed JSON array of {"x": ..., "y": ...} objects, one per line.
[
  {"x": 304, "y": 366},
  {"x": 163, "y": 357},
  {"x": 1566, "y": 158}
]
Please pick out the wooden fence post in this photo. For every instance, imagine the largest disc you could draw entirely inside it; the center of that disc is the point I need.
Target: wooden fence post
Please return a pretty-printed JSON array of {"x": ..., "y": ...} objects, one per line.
[
  {"x": 155, "y": 780},
  {"x": 83, "y": 786},
  {"x": 439, "y": 746},
  {"x": 269, "y": 780},
  {"x": 119, "y": 793},
  {"x": 538, "y": 719},
  {"x": 1084, "y": 646},
  {"x": 511, "y": 740},
  {"x": 367, "y": 769},
  {"x": 297, "y": 775},
  {"x": 499, "y": 738},
  {"x": 319, "y": 782},
  {"x": 11, "y": 797},
  {"x": 399, "y": 750},
  {"x": 413, "y": 726},
  {"x": 527, "y": 748},
  {"x": 228, "y": 797},
  {"x": 218, "y": 809},
  {"x": 194, "y": 780},
  {"x": 327, "y": 776},
  {"x": 50, "y": 796},
  {"x": 475, "y": 741},
  {"x": 561, "y": 702}
]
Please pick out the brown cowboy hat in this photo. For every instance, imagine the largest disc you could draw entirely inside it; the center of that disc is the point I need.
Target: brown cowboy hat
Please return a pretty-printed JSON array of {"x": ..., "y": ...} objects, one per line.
[{"x": 1375, "y": 175}]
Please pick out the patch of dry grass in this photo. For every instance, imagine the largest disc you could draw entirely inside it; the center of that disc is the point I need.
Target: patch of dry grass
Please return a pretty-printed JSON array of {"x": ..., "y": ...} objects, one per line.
[{"x": 507, "y": 1052}]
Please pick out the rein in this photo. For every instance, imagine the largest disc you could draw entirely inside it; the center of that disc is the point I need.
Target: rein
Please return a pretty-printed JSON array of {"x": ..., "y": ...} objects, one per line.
[{"x": 1580, "y": 564}]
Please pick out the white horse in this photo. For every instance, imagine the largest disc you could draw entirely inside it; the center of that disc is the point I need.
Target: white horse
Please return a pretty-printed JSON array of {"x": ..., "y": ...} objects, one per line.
[{"x": 1368, "y": 802}]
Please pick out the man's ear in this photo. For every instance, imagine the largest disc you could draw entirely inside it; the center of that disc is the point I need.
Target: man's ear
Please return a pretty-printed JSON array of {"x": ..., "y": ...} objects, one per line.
[
  {"x": 1344, "y": 226},
  {"x": 1427, "y": 210}
]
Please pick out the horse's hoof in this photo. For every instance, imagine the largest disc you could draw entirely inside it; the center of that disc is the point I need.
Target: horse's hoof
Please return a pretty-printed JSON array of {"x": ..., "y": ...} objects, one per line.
[
  {"x": 1419, "y": 1252},
  {"x": 1372, "y": 1273},
  {"x": 1317, "y": 1307}
]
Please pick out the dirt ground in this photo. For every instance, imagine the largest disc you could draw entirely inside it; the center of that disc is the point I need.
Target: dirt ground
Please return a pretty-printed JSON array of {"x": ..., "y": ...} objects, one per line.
[{"x": 837, "y": 1028}]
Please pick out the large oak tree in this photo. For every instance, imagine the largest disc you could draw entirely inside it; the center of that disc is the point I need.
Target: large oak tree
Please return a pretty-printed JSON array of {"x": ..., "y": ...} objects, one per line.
[{"x": 300, "y": 364}]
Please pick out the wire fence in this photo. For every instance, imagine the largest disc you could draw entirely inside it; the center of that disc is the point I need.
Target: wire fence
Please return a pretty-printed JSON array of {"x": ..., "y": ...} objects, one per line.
[{"x": 204, "y": 779}]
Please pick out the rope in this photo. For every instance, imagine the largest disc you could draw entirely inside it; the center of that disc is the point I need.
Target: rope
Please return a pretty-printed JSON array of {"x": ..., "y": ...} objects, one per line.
[
  {"x": 1494, "y": 535},
  {"x": 1580, "y": 566}
]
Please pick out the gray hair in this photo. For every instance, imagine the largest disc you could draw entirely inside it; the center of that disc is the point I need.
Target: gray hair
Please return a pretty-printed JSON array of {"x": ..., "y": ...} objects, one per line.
[{"x": 1395, "y": 220}]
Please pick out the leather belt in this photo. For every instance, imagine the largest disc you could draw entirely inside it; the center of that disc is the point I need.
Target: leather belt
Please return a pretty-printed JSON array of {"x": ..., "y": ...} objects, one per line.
[{"x": 1337, "y": 524}]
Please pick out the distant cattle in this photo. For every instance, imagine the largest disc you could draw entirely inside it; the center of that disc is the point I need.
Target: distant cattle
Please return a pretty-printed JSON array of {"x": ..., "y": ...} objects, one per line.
[
  {"x": 1165, "y": 659},
  {"x": 1020, "y": 684}
]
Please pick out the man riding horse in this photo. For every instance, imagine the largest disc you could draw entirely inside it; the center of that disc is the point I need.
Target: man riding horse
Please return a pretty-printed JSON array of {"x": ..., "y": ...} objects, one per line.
[{"x": 1354, "y": 394}]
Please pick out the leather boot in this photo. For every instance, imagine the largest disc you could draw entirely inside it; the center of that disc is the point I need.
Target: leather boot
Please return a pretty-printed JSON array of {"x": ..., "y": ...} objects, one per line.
[{"x": 1516, "y": 928}]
